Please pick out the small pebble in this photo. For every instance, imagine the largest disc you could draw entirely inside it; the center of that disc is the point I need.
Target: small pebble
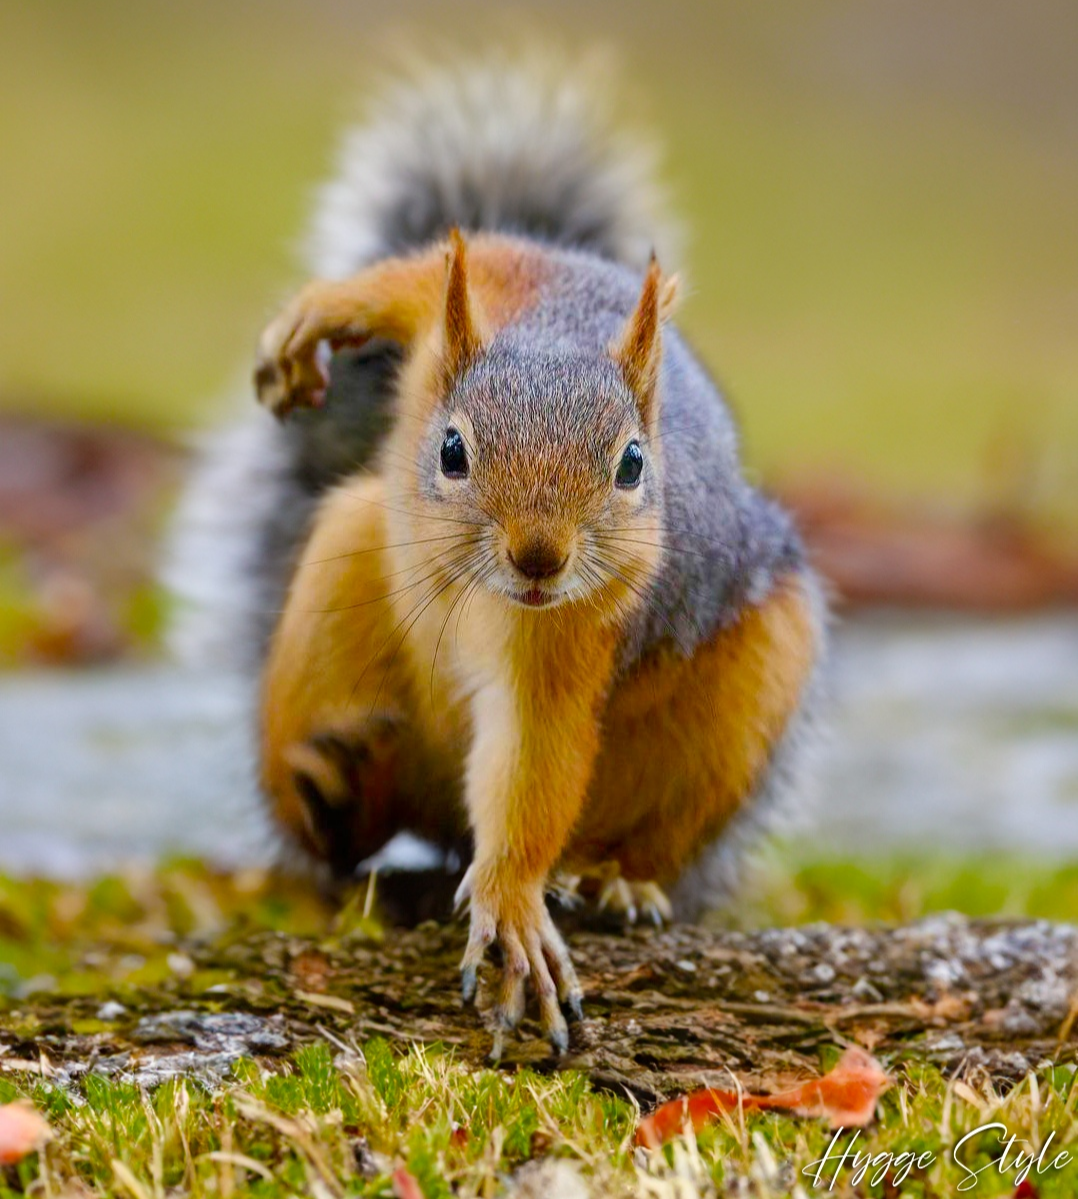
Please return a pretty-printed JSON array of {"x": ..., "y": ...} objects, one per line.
[
  {"x": 687, "y": 966},
  {"x": 761, "y": 996},
  {"x": 180, "y": 964},
  {"x": 866, "y": 992},
  {"x": 111, "y": 1011},
  {"x": 824, "y": 973}
]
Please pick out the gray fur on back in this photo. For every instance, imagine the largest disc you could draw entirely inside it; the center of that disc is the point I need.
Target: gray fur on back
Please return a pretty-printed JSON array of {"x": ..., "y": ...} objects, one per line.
[{"x": 526, "y": 148}]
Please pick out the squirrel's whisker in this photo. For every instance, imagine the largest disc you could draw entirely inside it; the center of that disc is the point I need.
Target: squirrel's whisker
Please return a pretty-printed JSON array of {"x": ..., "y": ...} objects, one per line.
[
  {"x": 430, "y": 594},
  {"x": 404, "y": 512},
  {"x": 438, "y": 591},
  {"x": 377, "y": 549},
  {"x": 613, "y": 539},
  {"x": 457, "y": 599},
  {"x": 400, "y": 590},
  {"x": 647, "y": 598}
]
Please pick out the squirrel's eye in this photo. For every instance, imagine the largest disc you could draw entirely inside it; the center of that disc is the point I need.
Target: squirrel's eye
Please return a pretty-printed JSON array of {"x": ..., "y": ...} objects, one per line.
[
  {"x": 630, "y": 466},
  {"x": 454, "y": 456}
]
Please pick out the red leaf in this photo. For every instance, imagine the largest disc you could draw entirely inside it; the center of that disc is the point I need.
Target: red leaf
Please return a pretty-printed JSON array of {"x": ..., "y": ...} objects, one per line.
[
  {"x": 846, "y": 1095},
  {"x": 22, "y": 1130},
  {"x": 1026, "y": 1190},
  {"x": 405, "y": 1185}
]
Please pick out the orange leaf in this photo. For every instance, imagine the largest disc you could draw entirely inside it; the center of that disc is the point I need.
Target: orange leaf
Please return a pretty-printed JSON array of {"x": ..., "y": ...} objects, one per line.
[
  {"x": 22, "y": 1130},
  {"x": 846, "y": 1095}
]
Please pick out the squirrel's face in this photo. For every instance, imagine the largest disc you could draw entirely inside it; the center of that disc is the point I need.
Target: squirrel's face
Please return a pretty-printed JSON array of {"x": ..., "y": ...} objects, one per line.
[
  {"x": 543, "y": 462},
  {"x": 532, "y": 463}
]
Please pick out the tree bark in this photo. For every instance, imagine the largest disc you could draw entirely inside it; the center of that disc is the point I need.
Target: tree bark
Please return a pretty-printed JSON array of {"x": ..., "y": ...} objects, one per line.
[{"x": 665, "y": 1011}]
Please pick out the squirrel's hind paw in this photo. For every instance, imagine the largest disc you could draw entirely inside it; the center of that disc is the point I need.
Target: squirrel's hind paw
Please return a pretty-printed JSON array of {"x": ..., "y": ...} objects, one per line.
[
  {"x": 344, "y": 783},
  {"x": 635, "y": 902},
  {"x": 617, "y": 900}
]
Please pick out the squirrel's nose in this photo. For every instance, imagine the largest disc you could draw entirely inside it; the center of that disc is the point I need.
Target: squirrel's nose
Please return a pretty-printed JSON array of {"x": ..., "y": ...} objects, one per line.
[{"x": 537, "y": 558}]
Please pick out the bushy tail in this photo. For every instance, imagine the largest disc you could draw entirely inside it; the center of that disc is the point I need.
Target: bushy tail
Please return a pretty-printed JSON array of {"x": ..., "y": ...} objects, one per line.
[
  {"x": 519, "y": 147},
  {"x": 501, "y": 144}
]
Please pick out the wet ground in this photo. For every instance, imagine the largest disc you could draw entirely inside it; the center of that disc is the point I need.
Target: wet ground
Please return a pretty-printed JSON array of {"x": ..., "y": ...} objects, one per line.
[{"x": 946, "y": 733}]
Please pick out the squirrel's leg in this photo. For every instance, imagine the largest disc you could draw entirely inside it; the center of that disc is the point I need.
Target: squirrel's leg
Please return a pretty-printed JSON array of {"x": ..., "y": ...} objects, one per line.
[
  {"x": 688, "y": 743},
  {"x": 394, "y": 299},
  {"x": 535, "y": 735},
  {"x": 399, "y": 299},
  {"x": 343, "y": 764}
]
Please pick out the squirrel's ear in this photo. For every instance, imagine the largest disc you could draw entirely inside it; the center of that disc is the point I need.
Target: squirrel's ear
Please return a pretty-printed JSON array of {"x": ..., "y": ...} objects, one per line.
[
  {"x": 462, "y": 341},
  {"x": 639, "y": 350}
]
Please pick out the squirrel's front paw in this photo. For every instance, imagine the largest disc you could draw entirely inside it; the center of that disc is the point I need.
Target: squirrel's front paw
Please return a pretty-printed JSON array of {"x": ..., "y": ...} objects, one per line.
[
  {"x": 531, "y": 946},
  {"x": 292, "y": 366}
]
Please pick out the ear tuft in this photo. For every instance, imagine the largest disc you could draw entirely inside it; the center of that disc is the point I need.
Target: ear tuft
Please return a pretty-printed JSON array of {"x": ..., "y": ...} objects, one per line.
[
  {"x": 669, "y": 297},
  {"x": 462, "y": 340},
  {"x": 639, "y": 350}
]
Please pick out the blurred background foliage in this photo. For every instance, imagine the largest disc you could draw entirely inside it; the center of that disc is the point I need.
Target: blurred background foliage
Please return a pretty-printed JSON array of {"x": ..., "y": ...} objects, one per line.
[{"x": 880, "y": 198}]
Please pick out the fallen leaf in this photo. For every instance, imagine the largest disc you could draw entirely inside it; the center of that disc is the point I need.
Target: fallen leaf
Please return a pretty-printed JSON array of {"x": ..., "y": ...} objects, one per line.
[
  {"x": 846, "y": 1095},
  {"x": 333, "y": 1002},
  {"x": 946, "y": 1010},
  {"x": 18, "y": 1063},
  {"x": 311, "y": 971},
  {"x": 405, "y": 1185},
  {"x": 22, "y": 1130}
]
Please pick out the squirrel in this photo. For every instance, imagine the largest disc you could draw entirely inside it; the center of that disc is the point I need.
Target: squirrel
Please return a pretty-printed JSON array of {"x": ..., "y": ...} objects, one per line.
[{"x": 527, "y": 600}]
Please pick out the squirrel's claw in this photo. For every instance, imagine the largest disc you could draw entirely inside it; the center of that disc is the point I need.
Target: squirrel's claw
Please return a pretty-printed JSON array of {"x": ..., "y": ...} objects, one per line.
[
  {"x": 621, "y": 901},
  {"x": 630, "y": 902},
  {"x": 285, "y": 381},
  {"x": 464, "y": 891},
  {"x": 652, "y": 903},
  {"x": 531, "y": 949},
  {"x": 292, "y": 366}
]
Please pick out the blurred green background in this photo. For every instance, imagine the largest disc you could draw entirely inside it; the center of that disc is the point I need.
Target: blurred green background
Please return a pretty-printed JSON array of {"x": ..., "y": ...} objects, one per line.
[{"x": 881, "y": 199}]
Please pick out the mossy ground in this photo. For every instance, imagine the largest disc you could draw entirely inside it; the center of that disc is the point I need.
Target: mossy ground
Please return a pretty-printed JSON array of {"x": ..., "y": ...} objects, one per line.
[
  {"x": 339, "y": 1114},
  {"x": 342, "y": 1121}
]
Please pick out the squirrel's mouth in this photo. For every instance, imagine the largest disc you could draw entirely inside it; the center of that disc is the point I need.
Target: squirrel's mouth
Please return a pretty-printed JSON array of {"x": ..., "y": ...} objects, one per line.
[{"x": 533, "y": 597}]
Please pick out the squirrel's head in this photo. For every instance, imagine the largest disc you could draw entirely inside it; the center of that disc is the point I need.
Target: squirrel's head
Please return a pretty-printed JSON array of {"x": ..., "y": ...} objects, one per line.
[{"x": 545, "y": 460}]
